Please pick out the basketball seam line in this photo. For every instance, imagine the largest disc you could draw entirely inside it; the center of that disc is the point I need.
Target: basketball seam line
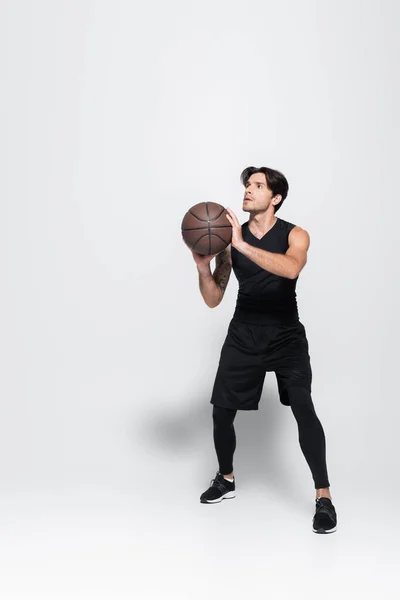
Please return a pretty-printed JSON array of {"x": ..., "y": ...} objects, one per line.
[{"x": 205, "y": 220}]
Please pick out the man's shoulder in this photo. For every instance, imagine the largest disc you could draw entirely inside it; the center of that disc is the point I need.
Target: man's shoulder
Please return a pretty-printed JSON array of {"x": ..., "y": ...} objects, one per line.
[
  {"x": 287, "y": 224},
  {"x": 292, "y": 227},
  {"x": 299, "y": 236}
]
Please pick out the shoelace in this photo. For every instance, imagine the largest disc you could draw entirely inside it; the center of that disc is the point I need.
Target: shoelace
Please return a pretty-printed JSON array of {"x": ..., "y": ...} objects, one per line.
[
  {"x": 323, "y": 508},
  {"x": 217, "y": 482}
]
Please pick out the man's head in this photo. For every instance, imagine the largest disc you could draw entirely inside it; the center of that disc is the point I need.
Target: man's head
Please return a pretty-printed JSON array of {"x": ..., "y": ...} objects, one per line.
[{"x": 264, "y": 188}]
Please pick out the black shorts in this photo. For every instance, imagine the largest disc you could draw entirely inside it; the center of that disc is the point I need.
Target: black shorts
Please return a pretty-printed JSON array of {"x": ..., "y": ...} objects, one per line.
[{"x": 249, "y": 351}]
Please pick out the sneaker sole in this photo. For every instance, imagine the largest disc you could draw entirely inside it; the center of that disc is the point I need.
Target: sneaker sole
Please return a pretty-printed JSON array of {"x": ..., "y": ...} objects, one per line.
[
  {"x": 226, "y": 496},
  {"x": 320, "y": 530}
]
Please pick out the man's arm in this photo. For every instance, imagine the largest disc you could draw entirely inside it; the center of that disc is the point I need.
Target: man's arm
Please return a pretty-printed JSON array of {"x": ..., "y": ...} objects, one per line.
[
  {"x": 223, "y": 268},
  {"x": 212, "y": 286},
  {"x": 286, "y": 265}
]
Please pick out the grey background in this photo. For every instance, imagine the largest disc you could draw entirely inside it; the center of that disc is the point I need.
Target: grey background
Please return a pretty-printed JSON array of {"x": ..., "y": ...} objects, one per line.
[{"x": 116, "y": 118}]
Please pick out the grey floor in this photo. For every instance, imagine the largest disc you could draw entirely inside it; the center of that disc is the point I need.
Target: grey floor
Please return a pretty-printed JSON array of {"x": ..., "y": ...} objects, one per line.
[{"x": 96, "y": 542}]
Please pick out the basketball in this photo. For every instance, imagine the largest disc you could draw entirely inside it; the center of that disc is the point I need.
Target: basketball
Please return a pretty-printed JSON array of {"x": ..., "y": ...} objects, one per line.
[{"x": 205, "y": 228}]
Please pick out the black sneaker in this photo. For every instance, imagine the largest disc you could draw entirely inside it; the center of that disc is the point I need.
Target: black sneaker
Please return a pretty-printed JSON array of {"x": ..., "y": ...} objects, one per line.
[
  {"x": 325, "y": 519},
  {"x": 220, "y": 489}
]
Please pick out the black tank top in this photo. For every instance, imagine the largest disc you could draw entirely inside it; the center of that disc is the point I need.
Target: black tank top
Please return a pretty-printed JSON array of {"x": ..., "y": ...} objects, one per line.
[{"x": 264, "y": 298}]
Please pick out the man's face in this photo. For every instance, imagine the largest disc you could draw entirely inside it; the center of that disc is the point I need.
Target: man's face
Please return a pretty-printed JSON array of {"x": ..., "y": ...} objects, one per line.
[{"x": 257, "y": 195}]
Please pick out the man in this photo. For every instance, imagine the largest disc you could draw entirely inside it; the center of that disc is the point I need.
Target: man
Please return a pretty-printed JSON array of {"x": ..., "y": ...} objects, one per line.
[{"x": 265, "y": 334}]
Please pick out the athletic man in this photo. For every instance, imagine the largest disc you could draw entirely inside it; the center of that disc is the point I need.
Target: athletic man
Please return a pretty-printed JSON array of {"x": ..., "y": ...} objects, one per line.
[{"x": 265, "y": 334}]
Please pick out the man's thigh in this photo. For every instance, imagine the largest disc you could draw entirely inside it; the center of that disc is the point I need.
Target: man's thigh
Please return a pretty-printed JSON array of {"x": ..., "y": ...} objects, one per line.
[
  {"x": 290, "y": 360},
  {"x": 240, "y": 375}
]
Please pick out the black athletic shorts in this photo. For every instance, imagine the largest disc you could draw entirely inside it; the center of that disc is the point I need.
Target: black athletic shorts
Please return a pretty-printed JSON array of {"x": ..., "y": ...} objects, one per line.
[{"x": 249, "y": 351}]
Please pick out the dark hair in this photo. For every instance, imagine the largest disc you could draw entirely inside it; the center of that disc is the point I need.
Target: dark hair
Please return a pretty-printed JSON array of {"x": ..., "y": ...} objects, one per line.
[{"x": 276, "y": 181}]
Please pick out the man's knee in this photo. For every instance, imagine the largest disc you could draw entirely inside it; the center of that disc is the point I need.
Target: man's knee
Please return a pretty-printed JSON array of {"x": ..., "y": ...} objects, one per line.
[
  {"x": 222, "y": 415},
  {"x": 298, "y": 396},
  {"x": 301, "y": 403}
]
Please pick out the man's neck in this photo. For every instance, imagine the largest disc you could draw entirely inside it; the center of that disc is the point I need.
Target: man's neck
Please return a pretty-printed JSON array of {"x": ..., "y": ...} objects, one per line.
[{"x": 260, "y": 224}]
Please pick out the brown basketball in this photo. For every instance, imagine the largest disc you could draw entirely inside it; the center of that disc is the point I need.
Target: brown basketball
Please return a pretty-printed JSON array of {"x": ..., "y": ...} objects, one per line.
[{"x": 205, "y": 228}]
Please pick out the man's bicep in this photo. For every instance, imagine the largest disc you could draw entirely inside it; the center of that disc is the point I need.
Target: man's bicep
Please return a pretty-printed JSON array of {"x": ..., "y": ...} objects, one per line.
[{"x": 299, "y": 242}]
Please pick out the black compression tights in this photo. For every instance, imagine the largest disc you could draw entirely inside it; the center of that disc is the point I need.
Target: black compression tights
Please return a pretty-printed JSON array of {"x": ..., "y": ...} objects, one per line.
[
  {"x": 311, "y": 435},
  {"x": 224, "y": 437}
]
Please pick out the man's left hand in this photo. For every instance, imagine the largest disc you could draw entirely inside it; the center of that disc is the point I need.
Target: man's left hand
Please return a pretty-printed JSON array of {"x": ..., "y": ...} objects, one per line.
[{"x": 237, "y": 237}]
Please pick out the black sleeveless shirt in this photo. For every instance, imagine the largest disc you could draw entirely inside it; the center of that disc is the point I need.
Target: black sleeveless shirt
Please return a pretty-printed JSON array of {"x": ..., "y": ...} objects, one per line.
[{"x": 264, "y": 298}]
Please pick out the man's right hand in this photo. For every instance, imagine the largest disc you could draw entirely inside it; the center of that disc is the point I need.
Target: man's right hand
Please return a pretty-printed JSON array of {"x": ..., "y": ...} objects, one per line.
[{"x": 201, "y": 260}]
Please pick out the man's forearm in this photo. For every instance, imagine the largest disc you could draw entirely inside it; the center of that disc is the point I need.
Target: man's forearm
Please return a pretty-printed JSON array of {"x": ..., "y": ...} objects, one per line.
[
  {"x": 278, "y": 264},
  {"x": 209, "y": 289}
]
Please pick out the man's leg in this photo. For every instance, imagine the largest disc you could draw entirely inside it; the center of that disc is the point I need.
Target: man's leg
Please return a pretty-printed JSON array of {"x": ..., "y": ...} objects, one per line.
[
  {"x": 224, "y": 438},
  {"x": 222, "y": 486},
  {"x": 294, "y": 376},
  {"x": 311, "y": 437}
]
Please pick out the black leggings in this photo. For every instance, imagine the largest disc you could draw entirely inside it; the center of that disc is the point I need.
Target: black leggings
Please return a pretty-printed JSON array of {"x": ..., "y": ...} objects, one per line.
[{"x": 311, "y": 435}]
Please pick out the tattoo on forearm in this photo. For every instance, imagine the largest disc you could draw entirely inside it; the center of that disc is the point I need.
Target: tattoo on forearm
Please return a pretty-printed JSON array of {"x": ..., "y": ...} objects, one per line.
[{"x": 223, "y": 270}]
